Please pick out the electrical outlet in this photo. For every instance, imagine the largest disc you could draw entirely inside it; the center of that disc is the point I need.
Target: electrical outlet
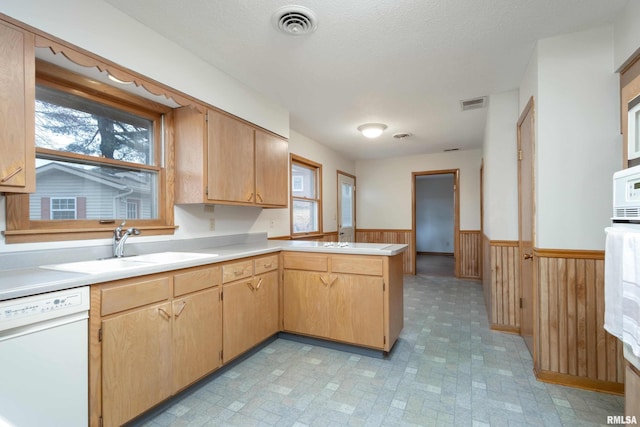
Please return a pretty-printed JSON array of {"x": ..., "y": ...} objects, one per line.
[{"x": 212, "y": 224}]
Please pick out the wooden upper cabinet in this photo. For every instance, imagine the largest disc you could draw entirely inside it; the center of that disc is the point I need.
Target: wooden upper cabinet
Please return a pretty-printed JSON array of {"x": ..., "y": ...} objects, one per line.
[
  {"x": 221, "y": 159},
  {"x": 17, "y": 110},
  {"x": 230, "y": 159},
  {"x": 272, "y": 169}
]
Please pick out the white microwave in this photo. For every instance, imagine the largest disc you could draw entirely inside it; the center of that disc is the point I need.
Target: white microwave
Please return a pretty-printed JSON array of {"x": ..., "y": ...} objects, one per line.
[
  {"x": 633, "y": 129},
  {"x": 626, "y": 195}
]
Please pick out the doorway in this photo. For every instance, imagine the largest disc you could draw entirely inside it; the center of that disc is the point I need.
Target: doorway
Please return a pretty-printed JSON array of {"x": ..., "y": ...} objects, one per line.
[
  {"x": 346, "y": 207},
  {"x": 436, "y": 226}
]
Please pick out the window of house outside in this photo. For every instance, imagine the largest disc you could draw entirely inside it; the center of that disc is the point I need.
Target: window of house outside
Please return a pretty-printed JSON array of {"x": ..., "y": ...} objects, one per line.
[
  {"x": 94, "y": 151},
  {"x": 306, "y": 197},
  {"x": 98, "y": 160}
]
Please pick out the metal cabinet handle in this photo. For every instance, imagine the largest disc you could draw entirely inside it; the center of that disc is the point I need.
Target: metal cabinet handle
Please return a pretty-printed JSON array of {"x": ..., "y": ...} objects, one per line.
[
  {"x": 259, "y": 284},
  {"x": 250, "y": 197},
  {"x": 250, "y": 285},
  {"x": 332, "y": 280},
  {"x": 259, "y": 197},
  {"x": 184, "y": 304},
  {"x": 11, "y": 175},
  {"x": 324, "y": 282},
  {"x": 164, "y": 313}
]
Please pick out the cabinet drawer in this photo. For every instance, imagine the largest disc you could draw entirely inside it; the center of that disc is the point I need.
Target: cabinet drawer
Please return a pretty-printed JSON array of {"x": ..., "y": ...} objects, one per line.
[
  {"x": 264, "y": 264},
  {"x": 305, "y": 261},
  {"x": 195, "y": 280},
  {"x": 353, "y": 264},
  {"x": 136, "y": 294},
  {"x": 237, "y": 271}
]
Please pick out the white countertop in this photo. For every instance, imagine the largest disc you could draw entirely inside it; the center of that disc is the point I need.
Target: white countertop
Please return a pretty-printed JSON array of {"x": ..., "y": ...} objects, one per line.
[{"x": 15, "y": 283}]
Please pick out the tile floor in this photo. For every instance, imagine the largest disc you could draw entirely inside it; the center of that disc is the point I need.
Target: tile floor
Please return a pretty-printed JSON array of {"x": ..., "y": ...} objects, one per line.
[{"x": 447, "y": 369}]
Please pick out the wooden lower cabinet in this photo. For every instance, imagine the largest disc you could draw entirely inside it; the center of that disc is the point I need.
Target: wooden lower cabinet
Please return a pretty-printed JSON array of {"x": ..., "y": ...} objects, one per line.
[
  {"x": 197, "y": 323},
  {"x": 357, "y": 304},
  {"x": 155, "y": 335},
  {"x": 151, "y": 337},
  {"x": 353, "y": 299},
  {"x": 250, "y": 305},
  {"x": 136, "y": 362},
  {"x": 305, "y": 301}
]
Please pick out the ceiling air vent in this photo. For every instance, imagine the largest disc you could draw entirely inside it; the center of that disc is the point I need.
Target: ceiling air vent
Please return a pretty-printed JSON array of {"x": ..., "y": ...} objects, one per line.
[
  {"x": 402, "y": 135},
  {"x": 295, "y": 20},
  {"x": 475, "y": 103}
]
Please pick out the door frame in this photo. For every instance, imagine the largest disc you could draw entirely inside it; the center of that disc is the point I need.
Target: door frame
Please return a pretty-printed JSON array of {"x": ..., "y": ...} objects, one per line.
[
  {"x": 456, "y": 212},
  {"x": 355, "y": 205}
]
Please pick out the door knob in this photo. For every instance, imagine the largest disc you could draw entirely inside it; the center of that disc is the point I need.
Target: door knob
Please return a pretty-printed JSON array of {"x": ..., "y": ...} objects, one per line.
[{"x": 528, "y": 256}]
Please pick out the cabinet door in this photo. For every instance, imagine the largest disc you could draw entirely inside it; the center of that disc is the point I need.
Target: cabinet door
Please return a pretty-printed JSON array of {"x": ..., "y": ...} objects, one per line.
[
  {"x": 17, "y": 110},
  {"x": 305, "y": 303},
  {"x": 266, "y": 305},
  {"x": 189, "y": 127},
  {"x": 136, "y": 362},
  {"x": 197, "y": 338},
  {"x": 238, "y": 318},
  {"x": 230, "y": 159},
  {"x": 272, "y": 170},
  {"x": 357, "y": 309}
]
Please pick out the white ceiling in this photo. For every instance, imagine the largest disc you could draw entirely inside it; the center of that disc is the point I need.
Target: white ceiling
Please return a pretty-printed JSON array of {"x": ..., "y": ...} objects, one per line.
[{"x": 406, "y": 63}]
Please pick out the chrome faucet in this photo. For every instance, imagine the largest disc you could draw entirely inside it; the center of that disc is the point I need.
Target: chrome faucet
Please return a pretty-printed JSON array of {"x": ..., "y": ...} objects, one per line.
[{"x": 120, "y": 237}]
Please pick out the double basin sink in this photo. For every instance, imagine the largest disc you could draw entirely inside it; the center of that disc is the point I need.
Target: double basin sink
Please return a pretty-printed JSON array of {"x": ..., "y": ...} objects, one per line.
[{"x": 128, "y": 263}]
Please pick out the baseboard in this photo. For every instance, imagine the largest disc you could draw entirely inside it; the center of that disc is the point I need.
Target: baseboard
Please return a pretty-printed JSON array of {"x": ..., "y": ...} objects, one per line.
[
  {"x": 580, "y": 382},
  {"x": 505, "y": 328}
]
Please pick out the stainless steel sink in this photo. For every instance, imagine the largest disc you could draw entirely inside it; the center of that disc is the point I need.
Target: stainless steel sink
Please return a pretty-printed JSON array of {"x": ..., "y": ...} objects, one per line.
[{"x": 128, "y": 263}]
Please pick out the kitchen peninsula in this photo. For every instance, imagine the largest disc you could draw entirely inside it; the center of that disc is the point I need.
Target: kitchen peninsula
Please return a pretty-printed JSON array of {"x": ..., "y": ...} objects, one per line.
[{"x": 160, "y": 326}]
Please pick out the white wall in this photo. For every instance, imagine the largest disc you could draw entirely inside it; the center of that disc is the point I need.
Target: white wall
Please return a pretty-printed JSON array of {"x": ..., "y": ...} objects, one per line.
[
  {"x": 384, "y": 188},
  {"x": 627, "y": 33},
  {"x": 500, "y": 157},
  {"x": 100, "y": 28},
  {"x": 578, "y": 143},
  {"x": 435, "y": 213}
]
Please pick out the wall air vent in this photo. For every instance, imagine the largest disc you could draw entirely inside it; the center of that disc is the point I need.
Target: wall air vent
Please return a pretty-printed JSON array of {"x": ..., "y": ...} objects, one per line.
[
  {"x": 473, "y": 104},
  {"x": 295, "y": 20}
]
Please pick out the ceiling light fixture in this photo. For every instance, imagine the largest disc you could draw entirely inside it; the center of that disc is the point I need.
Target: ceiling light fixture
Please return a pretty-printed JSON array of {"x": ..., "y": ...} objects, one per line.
[{"x": 372, "y": 130}]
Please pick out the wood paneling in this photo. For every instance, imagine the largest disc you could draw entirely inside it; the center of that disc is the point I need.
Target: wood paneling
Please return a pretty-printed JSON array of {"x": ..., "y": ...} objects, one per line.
[
  {"x": 470, "y": 254},
  {"x": 501, "y": 284},
  {"x": 572, "y": 346},
  {"x": 391, "y": 236},
  {"x": 486, "y": 273}
]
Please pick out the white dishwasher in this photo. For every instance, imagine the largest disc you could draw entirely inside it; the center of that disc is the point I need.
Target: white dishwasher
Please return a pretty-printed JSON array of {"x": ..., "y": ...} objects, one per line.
[{"x": 44, "y": 359}]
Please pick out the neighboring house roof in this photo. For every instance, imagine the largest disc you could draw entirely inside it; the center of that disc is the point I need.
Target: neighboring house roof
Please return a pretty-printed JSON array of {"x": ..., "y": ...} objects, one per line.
[{"x": 119, "y": 180}]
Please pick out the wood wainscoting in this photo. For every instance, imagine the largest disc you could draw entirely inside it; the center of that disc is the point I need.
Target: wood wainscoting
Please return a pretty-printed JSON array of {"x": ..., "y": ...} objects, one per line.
[
  {"x": 501, "y": 284},
  {"x": 572, "y": 347},
  {"x": 391, "y": 236},
  {"x": 470, "y": 254}
]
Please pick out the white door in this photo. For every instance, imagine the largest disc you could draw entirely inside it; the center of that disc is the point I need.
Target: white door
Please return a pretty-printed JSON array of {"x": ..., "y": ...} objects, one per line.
[{"x": 346, "y": 207}]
